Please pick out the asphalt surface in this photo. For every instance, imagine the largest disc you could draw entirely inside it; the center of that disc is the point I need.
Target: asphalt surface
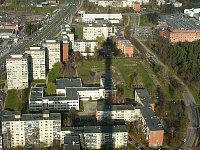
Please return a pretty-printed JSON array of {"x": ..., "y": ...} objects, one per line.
[{"x": 193, "y": 113}]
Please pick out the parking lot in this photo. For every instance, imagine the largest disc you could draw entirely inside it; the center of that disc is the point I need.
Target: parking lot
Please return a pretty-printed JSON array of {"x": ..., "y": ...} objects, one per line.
[{"x": 180, "y": 21}]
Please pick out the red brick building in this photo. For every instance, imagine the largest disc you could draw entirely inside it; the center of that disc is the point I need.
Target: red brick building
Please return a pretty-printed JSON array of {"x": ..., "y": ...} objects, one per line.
[
  {"x": 175, "y": 36},
  {"x": 137, "y": 7},
  {"x": 64, "y": 51}
]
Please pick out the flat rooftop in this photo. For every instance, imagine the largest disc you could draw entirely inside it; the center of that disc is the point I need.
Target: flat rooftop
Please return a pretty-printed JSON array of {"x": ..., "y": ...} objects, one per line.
[
  {"x": 30, "y": 117},
  {"x": 71, "y": 143},
  {"x": 96, "y": 129},
  {"x": 152, "y": 122},
  {"x": 62, "y": 83},
  {"x": 115, "y": 107}
]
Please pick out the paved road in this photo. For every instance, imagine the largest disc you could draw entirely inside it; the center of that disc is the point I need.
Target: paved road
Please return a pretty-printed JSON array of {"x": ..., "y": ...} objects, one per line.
[
  {"x": 53, "y": 25},
  {"x": 193, "y": 114}
]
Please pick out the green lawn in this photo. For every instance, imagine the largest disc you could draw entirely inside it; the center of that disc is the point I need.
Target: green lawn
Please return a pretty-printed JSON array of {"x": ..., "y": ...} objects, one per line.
[
  {"x": 127, "y": 67},
  {"x": 131, "y": 147},
  {"x": 87, "y": 67},
  {"x": 195, "y": 94},
  {"x": 13, "y": 101},
  {"x": 78, "y": 31}
]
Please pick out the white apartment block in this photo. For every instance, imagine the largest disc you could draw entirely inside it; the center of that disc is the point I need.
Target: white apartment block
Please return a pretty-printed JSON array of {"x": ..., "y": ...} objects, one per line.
[
  {"x": 124, "y": 112},
  {"x": 95, "y": 137},
  {"x": 31, "y": 129},
  {"x": 91, "y": 32},
  {"x": 53, "y": 52},
  {"x": 91, "y": 18},
  {"x": 37, "y": 62},
  {"x": 85, "y": 47},
  {"x": 68, "y": 34},
  {"x": 17, "y": 71}
]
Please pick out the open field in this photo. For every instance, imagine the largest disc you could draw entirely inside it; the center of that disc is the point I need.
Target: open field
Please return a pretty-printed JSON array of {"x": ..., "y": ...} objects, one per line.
[{"x": 13, "y": 101}]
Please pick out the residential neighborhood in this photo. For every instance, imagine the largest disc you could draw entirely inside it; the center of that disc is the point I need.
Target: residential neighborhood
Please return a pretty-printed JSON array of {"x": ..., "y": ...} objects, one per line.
[{"x": 99, "y": 74}]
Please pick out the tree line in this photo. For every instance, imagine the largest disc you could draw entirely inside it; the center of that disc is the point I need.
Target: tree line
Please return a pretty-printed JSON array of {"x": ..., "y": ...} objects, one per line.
[{"x": 183, "y": 58}]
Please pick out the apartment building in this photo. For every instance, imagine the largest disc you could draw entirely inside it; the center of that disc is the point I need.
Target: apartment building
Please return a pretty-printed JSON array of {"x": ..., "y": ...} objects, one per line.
[
  {"x": 127, "y": 48},
  {"x": 17, "y": 71},
  {"x": 125, "y": 112},
  {"x": 38, "y": 101},
  {"x": 65, "y": 47},
  {"x": 30, "y": 130},
  {"x": 152, "y": 127},
  {"x": 92, "y": 31},
  {"x": 53, "y": 52},
  {"x": 85, "y": 47},
  {"x": 37, "y": 62},
  {"x": 96, "y": 137},
  {"x": 91, "y": 18},
  {"x": 183, "y": 35},
  {"x": 143, "y": 98},
  {"x": 68, "y": 34}
]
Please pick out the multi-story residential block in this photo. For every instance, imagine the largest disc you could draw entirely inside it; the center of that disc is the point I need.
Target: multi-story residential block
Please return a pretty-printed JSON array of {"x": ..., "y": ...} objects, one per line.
[
  {"x": 152, "y": 127},
  {"x": 125, "y": 112},
  {"x": 68, "y": 34},
  {"x": 96, "y": 137},
  {"x": 91, "y": 18},
  {"x": 142, "y": 97},
  {"x": 17, "y": 71},
  {"x": 127, "y": 48},
  {"x": 37, "y": 62},
  {"x": 65, "y": 47},
  {"x": 31, "y": 130},
  {"x": 91, "y": 32},
  {"x": 53, "y": 52},
  {"x": 85, "y": 47}
]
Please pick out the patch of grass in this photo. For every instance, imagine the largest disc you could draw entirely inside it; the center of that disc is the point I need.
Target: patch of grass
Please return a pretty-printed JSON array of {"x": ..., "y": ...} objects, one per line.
[
  {"x": 13, "y": 101},
  {"x": 87, "y": 66},
  {"x": 131, "y": 147},
  {"x": 39, "y": 81},
  {"x": 78, "y": 31},
  {"x": 195, "y": 93},
  {"x": 81, "y": 109}
]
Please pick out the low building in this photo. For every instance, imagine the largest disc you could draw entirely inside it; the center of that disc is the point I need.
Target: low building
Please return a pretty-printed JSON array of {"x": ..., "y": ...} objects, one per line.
[
  {"x": 136, "y": 7},
  {"x": 6, "y": 33},
  {"x": 111, "y": 112},
  {"x": 142, "y": 97},
  {"x": 75, "y": 87},
  {"x": 71, "y": 143},
  {"x": 85, "y": 47},
  {"x": 29, "y": 130},
  {"x": 127, "y": 48},
  {"x": 91, "y": 18},
  {"x": 9, "y": 25},
  {"x": 175, "y": 36},
  {"x": 38, "y": 101},
  {"x": 96, "y": 137}
]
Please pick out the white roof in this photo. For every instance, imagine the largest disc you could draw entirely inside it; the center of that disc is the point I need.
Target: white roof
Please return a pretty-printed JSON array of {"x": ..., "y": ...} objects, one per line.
[{"x": 104, "y": 16}]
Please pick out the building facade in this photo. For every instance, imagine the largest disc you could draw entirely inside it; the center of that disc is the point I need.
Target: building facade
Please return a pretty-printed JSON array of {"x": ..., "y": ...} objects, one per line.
[
  {"x": 37, "y": 62},
  {"x": 97, "y": 137},
  {"x": 17, "y": 71},
  {"x": 127, "y": 48},
  {"x": 53, "y": 52},
  {"x": 39, "y": 102},
  {"x": 85, "y": 47},
  {"x": 91, "y": 32},
  {"x": 31, "y": 129},
  {"x": 125, "y": 112}
]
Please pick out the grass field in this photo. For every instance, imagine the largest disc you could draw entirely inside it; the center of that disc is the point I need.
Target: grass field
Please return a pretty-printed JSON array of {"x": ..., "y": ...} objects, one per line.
[
  {"x": 13, "y": 101},
  {"x": 86, "y": 69},
  {"x": 131, "y": 147}
]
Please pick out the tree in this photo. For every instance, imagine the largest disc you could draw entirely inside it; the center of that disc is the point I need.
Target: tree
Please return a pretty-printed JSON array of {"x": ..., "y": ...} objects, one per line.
[
  {"x": 51, "y": 88},
  {"x": 100, "y": 40}
]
